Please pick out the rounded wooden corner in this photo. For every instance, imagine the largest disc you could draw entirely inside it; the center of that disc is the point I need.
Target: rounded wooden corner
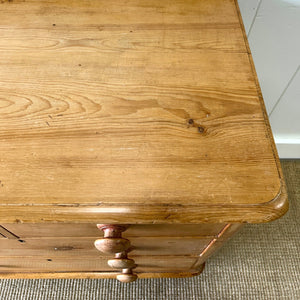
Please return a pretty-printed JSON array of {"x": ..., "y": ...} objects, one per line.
[{"x": 277, "y": 207}]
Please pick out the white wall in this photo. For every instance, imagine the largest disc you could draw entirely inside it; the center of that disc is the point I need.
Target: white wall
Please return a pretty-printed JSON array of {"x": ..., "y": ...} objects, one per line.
[{"x": 273, "y": 29}]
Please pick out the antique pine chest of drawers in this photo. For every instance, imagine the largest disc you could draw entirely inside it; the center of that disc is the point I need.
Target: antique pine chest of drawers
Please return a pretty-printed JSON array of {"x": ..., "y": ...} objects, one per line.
[{"x": 134, "y": 127}]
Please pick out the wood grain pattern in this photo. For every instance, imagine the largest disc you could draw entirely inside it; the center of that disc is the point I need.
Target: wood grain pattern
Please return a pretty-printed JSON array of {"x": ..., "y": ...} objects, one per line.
[
  {"x": 4, "y": 233},
  {"x": 114, "y": 105},
  {"x": 151, "y": 214},
  {"x": 84, "y": 247},
  {"x": 216, "y": 243},
  {"x": 44, "y": 230},
  {"x": 86, "y": 264},
  {"x": 94, "y": 275}
]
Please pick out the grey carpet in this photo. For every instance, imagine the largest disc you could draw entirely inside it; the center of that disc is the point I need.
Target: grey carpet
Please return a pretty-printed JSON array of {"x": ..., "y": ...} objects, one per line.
[{"x": 261, "y": 262}]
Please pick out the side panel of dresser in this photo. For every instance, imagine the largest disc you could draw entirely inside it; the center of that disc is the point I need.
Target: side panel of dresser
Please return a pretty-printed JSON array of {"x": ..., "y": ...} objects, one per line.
[{"x": 48, "y": 248}]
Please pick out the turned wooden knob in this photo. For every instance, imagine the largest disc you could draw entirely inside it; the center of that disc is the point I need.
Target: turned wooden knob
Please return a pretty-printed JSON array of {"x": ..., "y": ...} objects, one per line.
[
  {"x": 127, "y": 276},
  {"x": 112, "y": 242},
  {"x": 112, "y": 230},
  {"x": 121, "y": 263},
  {"x": 112, "y": 245}
]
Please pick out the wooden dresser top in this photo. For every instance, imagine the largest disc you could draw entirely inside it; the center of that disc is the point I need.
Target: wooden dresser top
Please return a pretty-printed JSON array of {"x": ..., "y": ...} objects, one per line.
[{"x": 132, "y": 111}]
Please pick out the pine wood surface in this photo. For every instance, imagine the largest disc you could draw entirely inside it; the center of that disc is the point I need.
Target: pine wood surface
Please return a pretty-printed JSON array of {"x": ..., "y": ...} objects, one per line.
[
  {"x": 84, "y": 247},
  {"x": 132, "y": 112},
  {"x": 95, "y": 275},
  {"x": 151, "y": 254},
  {"x": 16, "y": 264},
  {"x": 73, "y": 230}
]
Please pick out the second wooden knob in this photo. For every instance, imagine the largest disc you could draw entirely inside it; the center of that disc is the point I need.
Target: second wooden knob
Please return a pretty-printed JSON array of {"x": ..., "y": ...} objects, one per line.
[{"x": 121, "y": 263}]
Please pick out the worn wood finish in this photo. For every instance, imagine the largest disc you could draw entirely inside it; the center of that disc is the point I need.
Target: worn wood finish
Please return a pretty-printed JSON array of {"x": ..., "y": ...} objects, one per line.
[
  {"x": 69, "y": 264},
  {"x": 150, "y": 214},
  {"x": 94, "y": 275},
  {"x": 61, "y": 254},
  {"x": 147, "y": 114},
  {"x": 4, "y": 233},
  {"x": 216, "y": 243},
  {"x": 32, "y": 230},
  {"x": 132, "y": 112},
  {"x": 80, "y": 247}
]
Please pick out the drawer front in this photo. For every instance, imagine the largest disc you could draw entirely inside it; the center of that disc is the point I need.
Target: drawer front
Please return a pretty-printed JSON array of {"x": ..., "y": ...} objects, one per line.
[
  {"x": 155, "y": 248},
  {"x": 88, "y": 264},
  {"x": 84, "y": 247},
  {"x": 28, "y": 230}
]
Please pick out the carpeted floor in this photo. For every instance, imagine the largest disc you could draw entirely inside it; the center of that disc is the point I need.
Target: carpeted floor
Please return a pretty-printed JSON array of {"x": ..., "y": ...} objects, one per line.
[{"x": 261, "y": 262}]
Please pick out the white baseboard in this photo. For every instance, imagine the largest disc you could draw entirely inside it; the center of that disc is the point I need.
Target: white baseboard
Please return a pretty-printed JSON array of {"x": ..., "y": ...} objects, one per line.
[{"x": 288, "y": 148}]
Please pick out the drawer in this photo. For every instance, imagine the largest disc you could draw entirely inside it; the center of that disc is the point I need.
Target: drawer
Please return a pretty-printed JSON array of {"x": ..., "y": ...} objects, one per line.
[
  {"x": 89, "y": 264},
  {"x": 27, "y": 230},
  {"x": 84, "y": 247}
]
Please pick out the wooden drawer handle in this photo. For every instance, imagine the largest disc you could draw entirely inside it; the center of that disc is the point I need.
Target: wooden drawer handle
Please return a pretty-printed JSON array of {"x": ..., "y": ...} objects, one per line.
[
  {"x": 113, "y": 243},
  {"x": 121, "y": 263},
  {"x": 112, "y": 230},
  {"x": 127, "y": 276}
]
